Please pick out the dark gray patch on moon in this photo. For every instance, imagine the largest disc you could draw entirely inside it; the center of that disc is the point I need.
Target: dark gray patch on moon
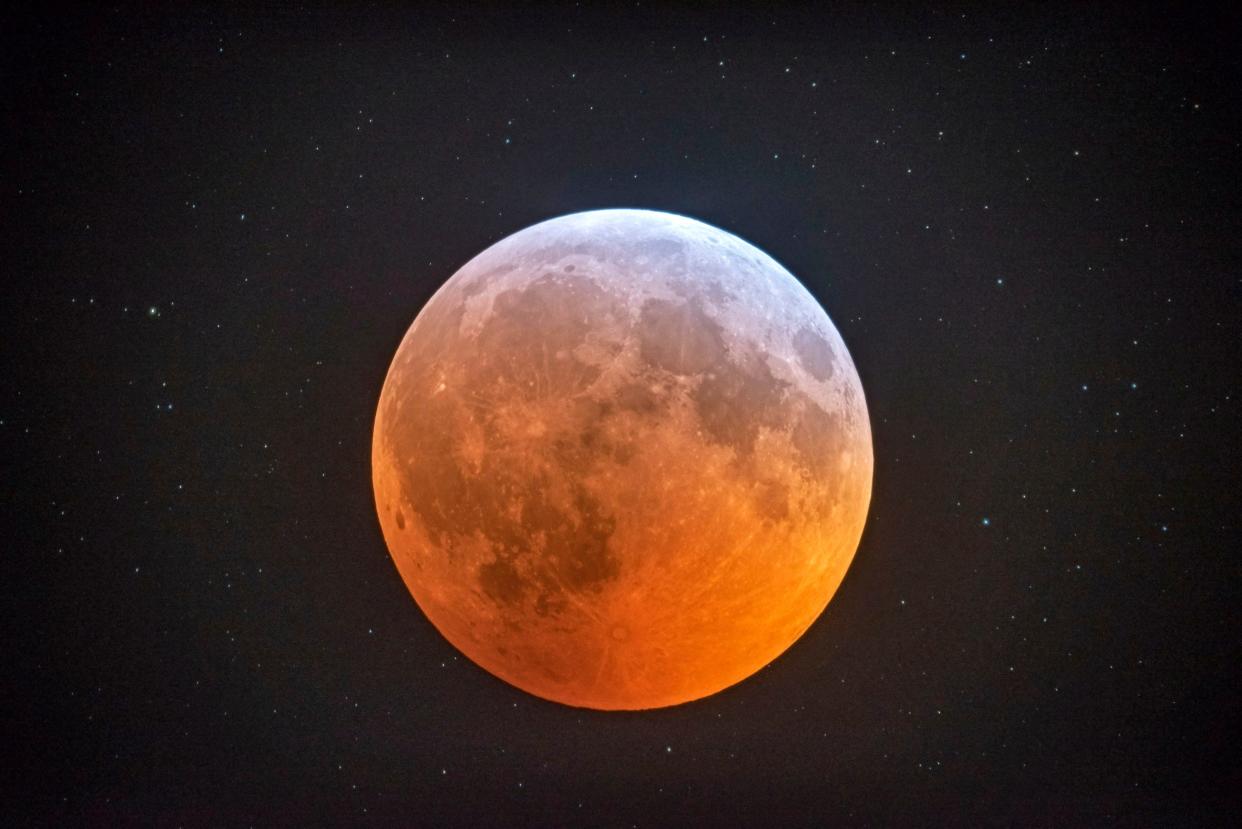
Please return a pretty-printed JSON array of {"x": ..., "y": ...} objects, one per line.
[
  {"x": 772, "y": 501},
  {"x": 814, "y": 353},
  {"x": 819, "y": 438},
  {"x": 639, "y": 398},
  {"x": 733, "y": 401},
  {"x": 678, "y": 337},
  {"x": 501, "y": 582}
]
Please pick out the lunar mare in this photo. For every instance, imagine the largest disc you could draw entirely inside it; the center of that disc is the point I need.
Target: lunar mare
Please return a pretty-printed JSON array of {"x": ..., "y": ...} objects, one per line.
[{"x": 622, "y": 459}]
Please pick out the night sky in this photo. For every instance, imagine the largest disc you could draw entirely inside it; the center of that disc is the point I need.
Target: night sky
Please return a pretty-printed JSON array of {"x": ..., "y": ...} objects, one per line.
[{"x": 219, "y": 225}]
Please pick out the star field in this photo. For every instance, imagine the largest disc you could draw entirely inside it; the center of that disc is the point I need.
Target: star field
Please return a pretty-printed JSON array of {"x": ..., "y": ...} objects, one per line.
[{"x": 220, "y": 223}]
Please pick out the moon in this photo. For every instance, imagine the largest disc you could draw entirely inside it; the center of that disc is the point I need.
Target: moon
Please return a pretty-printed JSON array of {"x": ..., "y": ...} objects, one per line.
[{"x": 622, "y": 459}]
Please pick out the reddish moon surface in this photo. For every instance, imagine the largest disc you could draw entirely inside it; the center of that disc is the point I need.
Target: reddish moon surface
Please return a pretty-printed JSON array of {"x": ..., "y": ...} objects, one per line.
[{"x": 622, "y": 459}]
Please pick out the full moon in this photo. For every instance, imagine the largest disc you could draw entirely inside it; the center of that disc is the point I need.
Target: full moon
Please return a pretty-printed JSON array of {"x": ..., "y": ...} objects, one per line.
[{"x": 622, "y": 459}]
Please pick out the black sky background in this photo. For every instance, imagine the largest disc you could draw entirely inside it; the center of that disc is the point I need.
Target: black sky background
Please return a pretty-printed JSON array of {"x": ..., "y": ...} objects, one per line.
[{"x": 219, "y": 223}]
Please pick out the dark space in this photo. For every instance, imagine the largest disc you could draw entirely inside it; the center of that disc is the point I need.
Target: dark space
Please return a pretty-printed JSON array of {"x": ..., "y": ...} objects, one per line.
[{"x": 220, "y": 221}]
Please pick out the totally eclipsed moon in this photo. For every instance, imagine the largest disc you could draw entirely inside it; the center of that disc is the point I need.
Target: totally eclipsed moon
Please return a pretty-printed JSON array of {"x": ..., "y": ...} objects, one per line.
[{"x": 622, "y": 459}]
